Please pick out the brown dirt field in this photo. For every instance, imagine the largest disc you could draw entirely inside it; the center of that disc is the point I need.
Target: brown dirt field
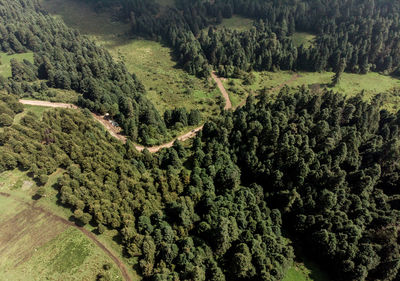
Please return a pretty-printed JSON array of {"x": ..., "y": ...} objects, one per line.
[
  {"x": 25, "y": 225},
  {"x": 31, "y": 226}
]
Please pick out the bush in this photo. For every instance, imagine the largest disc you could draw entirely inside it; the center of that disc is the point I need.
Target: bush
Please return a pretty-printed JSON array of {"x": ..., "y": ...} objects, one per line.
[
  {"x": 5, "y": 120},
  {"x": 41, "y": 191},
  {"x": 43, "y": 179}
]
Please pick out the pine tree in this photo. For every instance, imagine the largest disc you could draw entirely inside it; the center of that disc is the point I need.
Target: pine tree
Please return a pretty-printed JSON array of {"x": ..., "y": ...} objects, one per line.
[{"x": 339, "y": 72}]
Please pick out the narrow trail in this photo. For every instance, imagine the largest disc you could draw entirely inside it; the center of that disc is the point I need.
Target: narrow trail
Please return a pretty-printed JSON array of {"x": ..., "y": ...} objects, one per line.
[
  {"x": 228, "y": 103},
  {"x": 86, "y": 232}
]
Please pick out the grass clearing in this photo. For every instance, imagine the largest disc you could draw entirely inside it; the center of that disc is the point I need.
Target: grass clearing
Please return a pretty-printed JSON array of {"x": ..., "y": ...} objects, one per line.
[
  {"x": 350, "y": 85},
  {"x": 5, "y": 65},
  {"x": 237, "y": 23},
  {"x": 37, "y": 110},
  {"x": 167, "y": 86},
  {"x": 166, "y": 3},
  {"x": 306, "y": 271},
  {"x": 35, "y": 244},
  {"x": 303, "y": 38}
]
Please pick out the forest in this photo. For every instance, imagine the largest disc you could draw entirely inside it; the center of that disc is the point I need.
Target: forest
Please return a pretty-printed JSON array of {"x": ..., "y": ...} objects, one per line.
[
  {"x": 301, "y": 170},
  {"x": 363, "y": 33}
]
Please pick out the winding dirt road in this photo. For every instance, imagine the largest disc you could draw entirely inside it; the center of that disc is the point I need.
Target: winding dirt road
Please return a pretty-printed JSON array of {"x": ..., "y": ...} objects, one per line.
[
  {"x": 115, "y": 132},
  {"x": 228, "y": 103},
  {"x": 184, "y": 137},
  {"x": 86, "y": 232}
]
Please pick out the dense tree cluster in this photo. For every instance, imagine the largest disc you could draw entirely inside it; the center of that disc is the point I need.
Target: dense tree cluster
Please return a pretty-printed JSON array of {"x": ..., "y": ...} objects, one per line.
[
  {"x": 365, "y": 33},
  {"x": 331, "y": 166},
  {"x": 67, "y": 60},
  {"x": 194, "y": 223},
  {"x": 9, "y": 107},
  {"x": 182, "y": 117}
]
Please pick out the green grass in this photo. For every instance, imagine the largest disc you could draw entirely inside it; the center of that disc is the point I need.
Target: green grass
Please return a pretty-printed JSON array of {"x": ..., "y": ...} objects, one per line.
[
  {"x": 300, "y": 38},
  {"x": 47, "y": 249},
  {"x": 167, "y": 85},
  {"x": 37, "y": 110},
  {"x": 350, "y": 85},
  {"x": 237, "y": 23},
  {"x": 5, "y": 65},
  {"x": 166, "y": 3},
  {"x": 307, "y": 271}
]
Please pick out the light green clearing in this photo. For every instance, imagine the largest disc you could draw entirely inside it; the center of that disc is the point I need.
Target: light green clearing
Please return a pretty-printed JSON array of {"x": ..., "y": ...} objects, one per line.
[
  {"x": 237, "y": 23},
  {"x": 307, "y": 271},
  {"x": 54, "y": 95},
  {"x": 300, "y": 38},
  {"x": 167, "y": 86},
  {"x": 37, "y": 110},
  {"x": 166, "y": 3},
  {"x": 350, "y": 84},
  {"x": 5, "y": 65}
]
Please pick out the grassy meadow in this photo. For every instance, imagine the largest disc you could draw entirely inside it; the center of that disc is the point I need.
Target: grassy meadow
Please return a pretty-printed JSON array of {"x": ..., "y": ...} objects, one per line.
[
  {"x": 303, "y": 38},
  {"x": 237, "y": 23},
  {"x": 350, "y": 84},
  {"x": 5, "y": 65},
  {"x": 305, "y": 271},
  {"x": 37, "y": 110}
]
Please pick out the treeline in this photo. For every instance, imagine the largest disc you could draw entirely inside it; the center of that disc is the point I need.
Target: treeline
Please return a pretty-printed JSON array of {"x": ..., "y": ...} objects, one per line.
[
  {"x": 364, "y": 33},
  {"x": 195, "y": 223},
  {"x": 66, "y": 60}
]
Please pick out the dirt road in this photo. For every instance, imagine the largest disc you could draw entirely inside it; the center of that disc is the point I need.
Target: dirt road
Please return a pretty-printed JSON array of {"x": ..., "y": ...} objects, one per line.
[
  {"x": 115, "y": 132},
  {"x": 184, "y": 137},
  {"x": 48, "y": 104},
  {"x": 228, "y": 103},
  {"x": 87, "y": 233}
]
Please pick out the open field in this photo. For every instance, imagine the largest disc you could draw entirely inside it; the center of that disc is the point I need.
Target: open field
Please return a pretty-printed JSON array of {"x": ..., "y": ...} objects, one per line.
[
  {"x": 5, "y": 66},
  {"x": 168, "y": 86},
  {"x": 237, "y": 23},
  {"x": 307, "y": 271},
  {"x": 37, "y": 110},
  {"x": 350, "y": 85},
  {"x": 300, "y": 38},
  {"x": 37, "y": 240}
]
